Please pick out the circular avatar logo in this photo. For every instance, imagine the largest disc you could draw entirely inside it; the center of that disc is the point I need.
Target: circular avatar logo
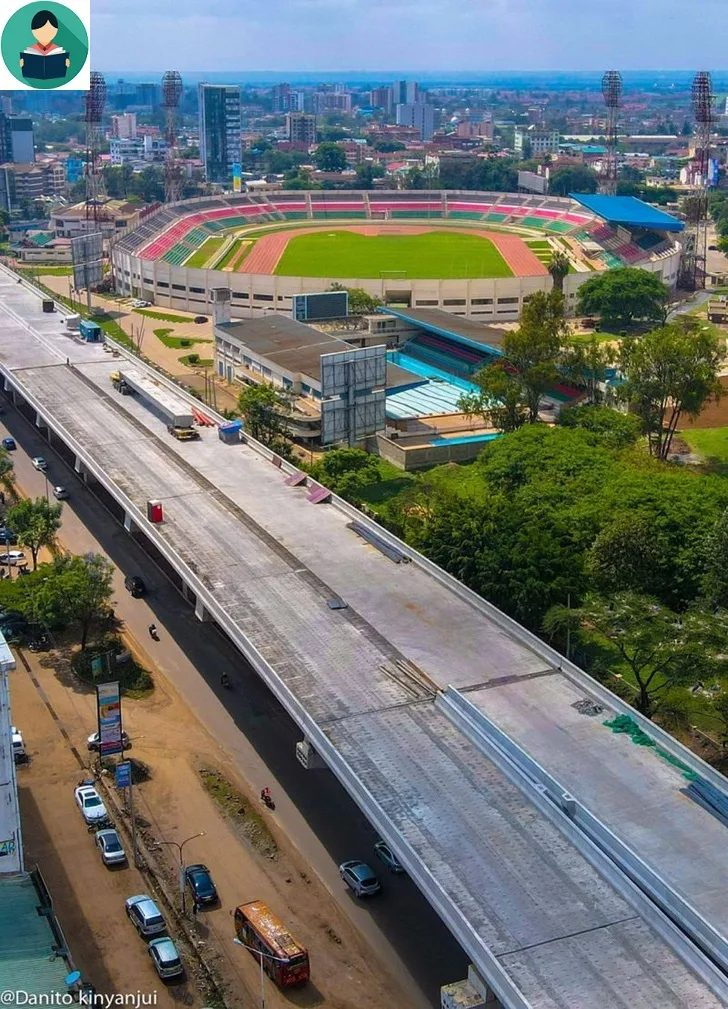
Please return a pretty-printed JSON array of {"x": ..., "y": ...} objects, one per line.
[{"x": 44, "y": 45}]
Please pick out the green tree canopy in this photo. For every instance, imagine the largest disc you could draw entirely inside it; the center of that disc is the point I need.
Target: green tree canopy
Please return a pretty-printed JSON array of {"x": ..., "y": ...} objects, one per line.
[
  {"x": 36, "y": 523},
  {"x": 558, "y": 267},
  {"x": 624, "y": 296},
  {"x": 670, "y": 372},
  {"x": 266, "y": 411},
  {"x": 573, "y": 179},
  {"x": 346, "y": 471},
  {"x": 330, "y": 157},
  {"x": 360, "y": 301},
  {"x": 612, "y": 428},
  {"x": 657, "y": 648}
]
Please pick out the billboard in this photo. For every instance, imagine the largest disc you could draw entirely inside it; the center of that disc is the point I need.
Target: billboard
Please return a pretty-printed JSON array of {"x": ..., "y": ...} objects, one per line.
[
  {"x": 237, "y": 177},
  {"x": 341, "y": 421},
  {"x": 108, "y": 705},
  {"x": 318, "y": 307},
  {"x": 88, "y": 262},
  {"x": 533, "y": 182},
  {"x": 353, "y": 371},
  {"x": 74, "y": 169}
]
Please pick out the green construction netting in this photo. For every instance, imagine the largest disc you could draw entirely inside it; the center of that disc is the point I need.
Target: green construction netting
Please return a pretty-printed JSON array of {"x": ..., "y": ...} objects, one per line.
[{"x": 626, "y": 724}]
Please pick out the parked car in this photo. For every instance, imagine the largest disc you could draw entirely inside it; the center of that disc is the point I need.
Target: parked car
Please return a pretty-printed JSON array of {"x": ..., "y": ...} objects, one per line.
[
  {"x": 109, "y": 844},
  {"x": 19, "y": 753},
  {"x": 60, "y": 493},
  {"x": 93, "y": 741},
  {"x": 135, "y": 585},
  {"x": 145, "y": 916},
  {"x": 9, "y": 444},
  {"x": 200, "y": 318},
  {"x": 40, "y": 463},
  {"x": 199, "y": 882},
  {"x": 89, "y": 802},
  {"x": 388, "y": 857},
  {"x": 7, "y": 536},
  {"x": 359, "y": 878},
  {"x": 12, "y": 557},
  {"x": 137, "y": 303},
  {"x": 165, "y": 958}
]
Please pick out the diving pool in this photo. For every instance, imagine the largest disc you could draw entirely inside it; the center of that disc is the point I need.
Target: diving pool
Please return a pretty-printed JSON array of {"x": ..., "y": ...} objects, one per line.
[{"x": 424, "y": 370}]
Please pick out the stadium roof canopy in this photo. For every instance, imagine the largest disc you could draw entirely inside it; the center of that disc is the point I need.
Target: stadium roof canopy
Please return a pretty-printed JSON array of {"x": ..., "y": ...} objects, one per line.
[
  {"x": 435, "y": 320},
  {"x": 628, "y": 211}
]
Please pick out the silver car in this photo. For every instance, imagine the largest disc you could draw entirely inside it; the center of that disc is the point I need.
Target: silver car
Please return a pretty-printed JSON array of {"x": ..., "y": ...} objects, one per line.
[
  {"x": 165, "y": 958},
  {"x": 388, "y": 857},
  {"x": 359, "y": 878},
  {"x": 109, "y": 844},
  {"x": 145, "y": 916}
]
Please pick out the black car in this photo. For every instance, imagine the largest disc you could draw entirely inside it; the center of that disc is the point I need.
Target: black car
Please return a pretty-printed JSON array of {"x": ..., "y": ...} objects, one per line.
[
  {"x": 7, "y": 536},
  {"x": 200, "y": 318},
  {"x": 199, "y": 882},
  {"x": 135, "y": 585}
]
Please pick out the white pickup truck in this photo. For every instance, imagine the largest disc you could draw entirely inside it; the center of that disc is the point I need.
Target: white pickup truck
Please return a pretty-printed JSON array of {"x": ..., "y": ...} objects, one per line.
[{"x": 19, "y": 754}]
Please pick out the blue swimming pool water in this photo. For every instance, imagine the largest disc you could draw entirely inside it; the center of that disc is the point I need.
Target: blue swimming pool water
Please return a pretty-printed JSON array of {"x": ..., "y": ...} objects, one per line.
[
  {"x": 465, "y": 439},
  {"x": 410, "y": 363}
]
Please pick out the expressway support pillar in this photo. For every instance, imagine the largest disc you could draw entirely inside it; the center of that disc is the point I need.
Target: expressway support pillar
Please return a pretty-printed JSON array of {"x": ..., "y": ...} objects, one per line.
[
  {"x": 78, "y": 467},
  {"x": 473, "y": 993},
  {"x": 308, "y": 757},
  {"x": 128, "y": 522},
  {"x": 187, "y": 592},
  {"x": 200, "y": 612},
  {"x": 39, "y": 422}
]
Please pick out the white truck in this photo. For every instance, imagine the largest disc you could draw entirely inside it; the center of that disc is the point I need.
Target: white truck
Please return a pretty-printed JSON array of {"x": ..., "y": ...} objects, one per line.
[{"x": 19, "y": 753}]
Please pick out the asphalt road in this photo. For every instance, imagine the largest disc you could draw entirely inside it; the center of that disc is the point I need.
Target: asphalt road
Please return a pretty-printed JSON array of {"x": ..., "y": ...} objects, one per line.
[{"x": 311, "y": 807}]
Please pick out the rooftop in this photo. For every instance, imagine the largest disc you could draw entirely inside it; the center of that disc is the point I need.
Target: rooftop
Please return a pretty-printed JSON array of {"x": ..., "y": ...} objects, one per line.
[
  {"x": 628, "y": 210},
  {"x": 27, "y": 963},
  {"x": 435, "y": 320}
]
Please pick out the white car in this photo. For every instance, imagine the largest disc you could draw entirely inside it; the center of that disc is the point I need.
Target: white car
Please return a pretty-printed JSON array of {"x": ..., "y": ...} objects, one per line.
[
  {"x": 40, "y": 463},
  {"x": 12, "y": 557},
  {"x": 89, "y": 802},
  {"x": 60, "y": 493},
  {"x": 19, "y": 754}
]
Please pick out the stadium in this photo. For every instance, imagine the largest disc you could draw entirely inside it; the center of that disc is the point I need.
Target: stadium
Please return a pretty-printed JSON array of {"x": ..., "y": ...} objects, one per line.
[{"x": 478, "y": 255}]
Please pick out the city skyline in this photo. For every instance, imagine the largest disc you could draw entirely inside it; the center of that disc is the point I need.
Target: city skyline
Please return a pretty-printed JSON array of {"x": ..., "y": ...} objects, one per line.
[{"x": 436, "y": 35}]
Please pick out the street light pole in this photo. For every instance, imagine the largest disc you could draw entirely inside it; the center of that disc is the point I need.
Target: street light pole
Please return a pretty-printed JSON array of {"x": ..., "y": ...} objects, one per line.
[
  {"x": 260, "y": 954},
  {"x": 179, "y": 846}
]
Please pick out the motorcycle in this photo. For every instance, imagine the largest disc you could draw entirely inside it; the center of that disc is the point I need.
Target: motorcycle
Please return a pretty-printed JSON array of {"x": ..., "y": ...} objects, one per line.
[
  {"x": 266, "y": 799},
  {"x": 153, "y": 632},
  {"x": 225, "y": 681}
]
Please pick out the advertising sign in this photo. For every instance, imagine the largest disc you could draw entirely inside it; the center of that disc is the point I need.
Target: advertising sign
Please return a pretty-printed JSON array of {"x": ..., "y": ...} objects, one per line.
[
  {"x": 123, "y": 774},
  {"x": 108, "y": 701},
  {"x": 237, "y": 178}
]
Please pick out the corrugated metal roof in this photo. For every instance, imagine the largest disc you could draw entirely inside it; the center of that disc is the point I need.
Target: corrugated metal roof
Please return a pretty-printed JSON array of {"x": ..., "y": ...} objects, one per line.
[{"x": 27, "y": 962}]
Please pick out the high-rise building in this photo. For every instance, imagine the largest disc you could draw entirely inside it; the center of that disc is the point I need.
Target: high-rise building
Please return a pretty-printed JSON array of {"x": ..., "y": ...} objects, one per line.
[
  {"x": 381, "y": 98},
  {"x": 147, "y": 94},
  {"x": 405, "y": 93},
  {"x": 16, "y": 140},
  {"x": 301, "y": 128},
  {"x": 220, "y": 146},
  {"x": 281, "y": 95},
  {"x": 124, "y": 126},
  {"x": 6, "y": 105},
  {"x": 332, "y": 101},
  {"x": 532, "y": 142},
  {"x": 419, "y": 116}
]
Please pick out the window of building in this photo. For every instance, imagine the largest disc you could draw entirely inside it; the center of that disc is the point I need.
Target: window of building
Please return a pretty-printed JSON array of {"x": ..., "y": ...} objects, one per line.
[
  {"x": 247, "y": 361},
  {"x": 481, "y": 301},
  {"x": 508, "y": 301},
  {"x": 421, "y": 304},
  {"x": 262, "y": 297},
  {"x": 161, "y": 283},
  {"x": 267, "y": 372},
  {"x": 237, "y": 294},
  {"x": 197, "y": 290},
  {"x": 178, "y": 287},
  {"x": 454, "y": 301}
]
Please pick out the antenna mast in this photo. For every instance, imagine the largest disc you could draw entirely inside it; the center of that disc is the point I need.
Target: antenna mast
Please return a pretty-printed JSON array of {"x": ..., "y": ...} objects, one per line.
[
  {"x": 612, "y": 91},
  {"x": 171, "y": 95},
  {"x": 95, "y": 102}
]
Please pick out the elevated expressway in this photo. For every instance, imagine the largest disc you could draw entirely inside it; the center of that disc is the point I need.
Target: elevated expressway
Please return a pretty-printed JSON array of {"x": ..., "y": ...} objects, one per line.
[{"x": 566, "y": 861}]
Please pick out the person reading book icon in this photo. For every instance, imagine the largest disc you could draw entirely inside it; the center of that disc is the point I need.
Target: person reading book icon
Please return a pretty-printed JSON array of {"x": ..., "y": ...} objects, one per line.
[{"x": 44, "y": 60}]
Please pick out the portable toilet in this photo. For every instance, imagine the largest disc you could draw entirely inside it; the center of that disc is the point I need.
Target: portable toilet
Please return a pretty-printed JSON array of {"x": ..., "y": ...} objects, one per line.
[{"x": 91, "y": 332}]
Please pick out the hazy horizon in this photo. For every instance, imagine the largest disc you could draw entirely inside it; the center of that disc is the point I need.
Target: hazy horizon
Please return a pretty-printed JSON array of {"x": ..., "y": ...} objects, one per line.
[{"x": 329, "y": 36}]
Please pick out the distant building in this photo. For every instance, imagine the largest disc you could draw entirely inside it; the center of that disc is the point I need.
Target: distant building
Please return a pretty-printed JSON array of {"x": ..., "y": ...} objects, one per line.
[
  {"x": 332, "y": 101},
  {"x": 26, "y": 183},
  {"x": 419, "y": 116},
  {"x": 405, "y": 93},
  {"x": 124, "y": 126},
  {"x": 16, "y": 139},
  {"x": 281, "y": 95},
  {"x": 147, "y": 94},
  {"x": 135, "y": 150},
  {"x": 381, "y": 98},
  {"x": 537, "y": 142},
  {"x": 114, "y": 217},
  {"x": 220, "y": 144},
  {"x": 301, "y": 128}
]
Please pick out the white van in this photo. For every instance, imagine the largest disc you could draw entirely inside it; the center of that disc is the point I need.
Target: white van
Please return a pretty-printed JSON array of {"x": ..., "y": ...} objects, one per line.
[{"x": 19, "y": 754}]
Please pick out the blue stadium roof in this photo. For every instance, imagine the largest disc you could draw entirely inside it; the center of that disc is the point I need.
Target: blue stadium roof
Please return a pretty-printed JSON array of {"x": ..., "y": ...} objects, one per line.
[{"x": 628, "y": 211}]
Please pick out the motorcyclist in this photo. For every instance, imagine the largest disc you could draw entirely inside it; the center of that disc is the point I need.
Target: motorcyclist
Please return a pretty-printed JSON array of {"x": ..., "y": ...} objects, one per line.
[
  {"x": 225, "y": 680},
  {"x": 265, "y": 795},
  {"x": 152, "y": 629}
]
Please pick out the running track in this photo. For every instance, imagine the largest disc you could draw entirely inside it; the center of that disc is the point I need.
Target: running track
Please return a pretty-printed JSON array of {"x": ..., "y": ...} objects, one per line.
[{"x": 267, "y": 251}]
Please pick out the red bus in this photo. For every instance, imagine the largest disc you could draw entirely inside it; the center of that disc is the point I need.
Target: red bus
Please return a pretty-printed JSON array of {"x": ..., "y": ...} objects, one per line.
[{"x": 260, "y": 929}]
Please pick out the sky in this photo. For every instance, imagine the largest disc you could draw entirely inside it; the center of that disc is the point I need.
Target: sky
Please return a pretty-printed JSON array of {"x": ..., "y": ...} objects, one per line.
[{"x": 406, "y": 35}]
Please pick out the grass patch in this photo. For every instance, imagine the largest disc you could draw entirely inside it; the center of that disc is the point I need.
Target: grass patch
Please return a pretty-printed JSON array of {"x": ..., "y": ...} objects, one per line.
[
  {"x": 593, "y": 334},
  {"x": 711, "y": 443},
  {"x": 135, "y": 681},
  {"x": 431, "y": 256},
  {"x": 162, "y": 316},
  {"x": 463, "y": 478},
  {"x": 229, "y": 255},
  {"x": 39, "y": 269},
  {"x": 237, "y": 809},
  {"x": 177, "y": 342},
  {"x": 206, "y": 251},
  {"x": 195, "y": 361}
]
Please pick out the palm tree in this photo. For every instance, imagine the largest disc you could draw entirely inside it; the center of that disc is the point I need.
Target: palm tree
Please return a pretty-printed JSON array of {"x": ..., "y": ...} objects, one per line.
[{"x": 558, "y": 267}]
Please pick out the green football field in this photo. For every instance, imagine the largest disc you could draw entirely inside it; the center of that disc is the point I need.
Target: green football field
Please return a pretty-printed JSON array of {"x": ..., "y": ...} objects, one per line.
[
  {"x": 436, "y": 255},
  {"x": 200, "y": 257}
]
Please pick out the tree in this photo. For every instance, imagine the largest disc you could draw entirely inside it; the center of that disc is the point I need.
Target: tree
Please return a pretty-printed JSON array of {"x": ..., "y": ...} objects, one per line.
[
  {"x": 6, "y": 473},
  {"x": 530, "y": 365},
  {"x": 345, "y": 471},
  {"x": 36, "y": 523},
  {"x": 623, "y": 296},
  {"x": 715, "y": 579},
  {"x": 574, "y": 179},
  {"x": 669, "y": 372},
  {"x": 86, "y": 582},
  {"x": 558, "y": 267},
  {"x": 360, "y": 301},
  {"x": 585, "y": 362},
  {"x": 659, "y": 648},
  {"x": 266, "y": 410},
  {"x": 330, "y": 157},
  {"x": 612, "y": 428},
  {"x": 365, "y": 175}
]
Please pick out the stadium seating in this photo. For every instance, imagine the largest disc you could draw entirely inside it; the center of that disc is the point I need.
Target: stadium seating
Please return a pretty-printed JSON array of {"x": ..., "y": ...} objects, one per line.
[
  {"x": 561, "y": 227},
  {"x": 446, "y": 354},
  {"x": 533, "y": 222},
  {"x": 495, "y": 218}
]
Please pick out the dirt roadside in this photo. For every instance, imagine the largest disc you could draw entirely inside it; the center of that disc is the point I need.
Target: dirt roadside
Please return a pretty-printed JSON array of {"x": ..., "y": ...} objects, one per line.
[{"x": 173, "y": 805}]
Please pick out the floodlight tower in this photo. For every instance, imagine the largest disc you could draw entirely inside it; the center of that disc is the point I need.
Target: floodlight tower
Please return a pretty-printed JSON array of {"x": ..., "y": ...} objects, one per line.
[
  {"x": 612, "y": 91},
  {"x": 695, "y": 242},
  {"x": 95, "y": 102},
  {"x": 171, "y": 95}
]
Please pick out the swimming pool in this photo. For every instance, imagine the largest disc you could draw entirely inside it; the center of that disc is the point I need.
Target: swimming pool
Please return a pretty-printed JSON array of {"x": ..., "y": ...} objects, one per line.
[
  {"x": 465, "y": 439},
  {"x": 410, "y": 363}
]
